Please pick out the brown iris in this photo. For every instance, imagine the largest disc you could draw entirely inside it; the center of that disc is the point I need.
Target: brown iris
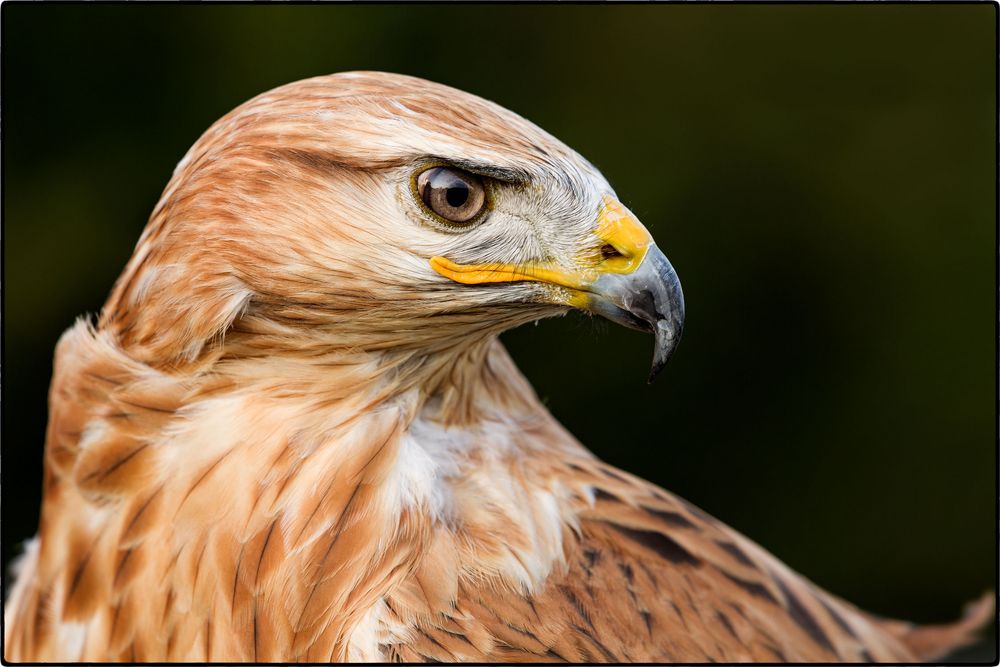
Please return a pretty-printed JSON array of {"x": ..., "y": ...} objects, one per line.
[{"x": 455, "y": 195}]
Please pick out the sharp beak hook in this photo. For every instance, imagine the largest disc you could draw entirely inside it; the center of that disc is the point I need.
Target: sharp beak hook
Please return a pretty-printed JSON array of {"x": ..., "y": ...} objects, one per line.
[{"x": 649, "y": 299}]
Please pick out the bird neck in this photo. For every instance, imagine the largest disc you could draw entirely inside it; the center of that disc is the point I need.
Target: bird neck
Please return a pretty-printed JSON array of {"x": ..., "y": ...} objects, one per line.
[
  {"x": 453, "y": 380},
  {"x": 316, "y": 479},
  {"x": 427, "y": 447}
]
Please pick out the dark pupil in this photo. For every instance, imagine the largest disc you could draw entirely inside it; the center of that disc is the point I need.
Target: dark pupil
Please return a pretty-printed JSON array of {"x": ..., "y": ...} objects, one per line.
[{"x": 457, "y": 195}]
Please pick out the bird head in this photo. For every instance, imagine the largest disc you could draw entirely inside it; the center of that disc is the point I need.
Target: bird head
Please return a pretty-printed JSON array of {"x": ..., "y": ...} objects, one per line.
[{"x": 384, "y": 212}]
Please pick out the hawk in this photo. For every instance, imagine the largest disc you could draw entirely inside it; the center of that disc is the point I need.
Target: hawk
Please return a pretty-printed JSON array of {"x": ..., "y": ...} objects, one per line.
[{"x": 292, "y": 434}]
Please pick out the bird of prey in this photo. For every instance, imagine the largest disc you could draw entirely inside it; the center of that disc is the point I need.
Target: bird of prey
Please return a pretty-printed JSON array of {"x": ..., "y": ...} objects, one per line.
[{"x": 293, "y": 435}]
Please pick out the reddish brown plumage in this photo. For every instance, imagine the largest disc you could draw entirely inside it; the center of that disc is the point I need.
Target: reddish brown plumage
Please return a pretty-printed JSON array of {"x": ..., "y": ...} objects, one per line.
[{"x": 287, "y": 438}]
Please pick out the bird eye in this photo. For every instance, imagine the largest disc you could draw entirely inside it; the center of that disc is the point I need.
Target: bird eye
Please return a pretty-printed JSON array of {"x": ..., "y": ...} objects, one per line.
[{"x": 456, "y": 196}]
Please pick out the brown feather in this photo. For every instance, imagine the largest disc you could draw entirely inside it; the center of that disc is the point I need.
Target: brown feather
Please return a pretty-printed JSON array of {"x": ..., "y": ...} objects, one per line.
[{"x": 287, "y": 438}]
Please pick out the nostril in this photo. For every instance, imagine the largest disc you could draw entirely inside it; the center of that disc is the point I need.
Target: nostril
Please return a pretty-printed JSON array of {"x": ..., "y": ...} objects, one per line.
[{"x": 608, "y": 251}]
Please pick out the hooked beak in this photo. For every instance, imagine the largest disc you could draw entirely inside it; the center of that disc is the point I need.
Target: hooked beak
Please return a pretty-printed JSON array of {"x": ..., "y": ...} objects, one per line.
[
  {"x": 648, "y": 299},
  {"x": 632, "y": 283}
]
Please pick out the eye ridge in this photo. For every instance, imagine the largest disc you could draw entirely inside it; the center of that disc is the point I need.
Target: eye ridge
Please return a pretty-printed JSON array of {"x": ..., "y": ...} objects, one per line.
[{"x": 454, "y": 195}]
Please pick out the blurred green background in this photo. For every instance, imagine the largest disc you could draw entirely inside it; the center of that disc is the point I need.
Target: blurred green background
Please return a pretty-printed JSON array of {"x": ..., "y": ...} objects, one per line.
[{"x": 822, "y": 177}]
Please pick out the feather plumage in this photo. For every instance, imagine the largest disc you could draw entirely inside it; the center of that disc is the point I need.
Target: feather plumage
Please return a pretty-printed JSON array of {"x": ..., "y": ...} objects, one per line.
[{"x": 288, "y": 439}]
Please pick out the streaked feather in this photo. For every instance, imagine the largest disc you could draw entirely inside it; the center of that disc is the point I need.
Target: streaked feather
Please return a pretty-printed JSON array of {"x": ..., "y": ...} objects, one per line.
[{"x": 287, "y": 439}]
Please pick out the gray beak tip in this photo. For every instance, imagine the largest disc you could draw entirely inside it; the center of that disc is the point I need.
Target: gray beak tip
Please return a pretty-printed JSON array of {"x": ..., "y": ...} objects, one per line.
[
  {"x": 649, "y": 299},
  {"x": 667, "y": 338}
]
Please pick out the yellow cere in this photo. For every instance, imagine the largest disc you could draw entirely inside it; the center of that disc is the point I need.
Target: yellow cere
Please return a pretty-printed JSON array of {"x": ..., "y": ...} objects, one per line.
[
  {"x": 619, "y": 228},
  {"x": 616, "y": 226}
]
